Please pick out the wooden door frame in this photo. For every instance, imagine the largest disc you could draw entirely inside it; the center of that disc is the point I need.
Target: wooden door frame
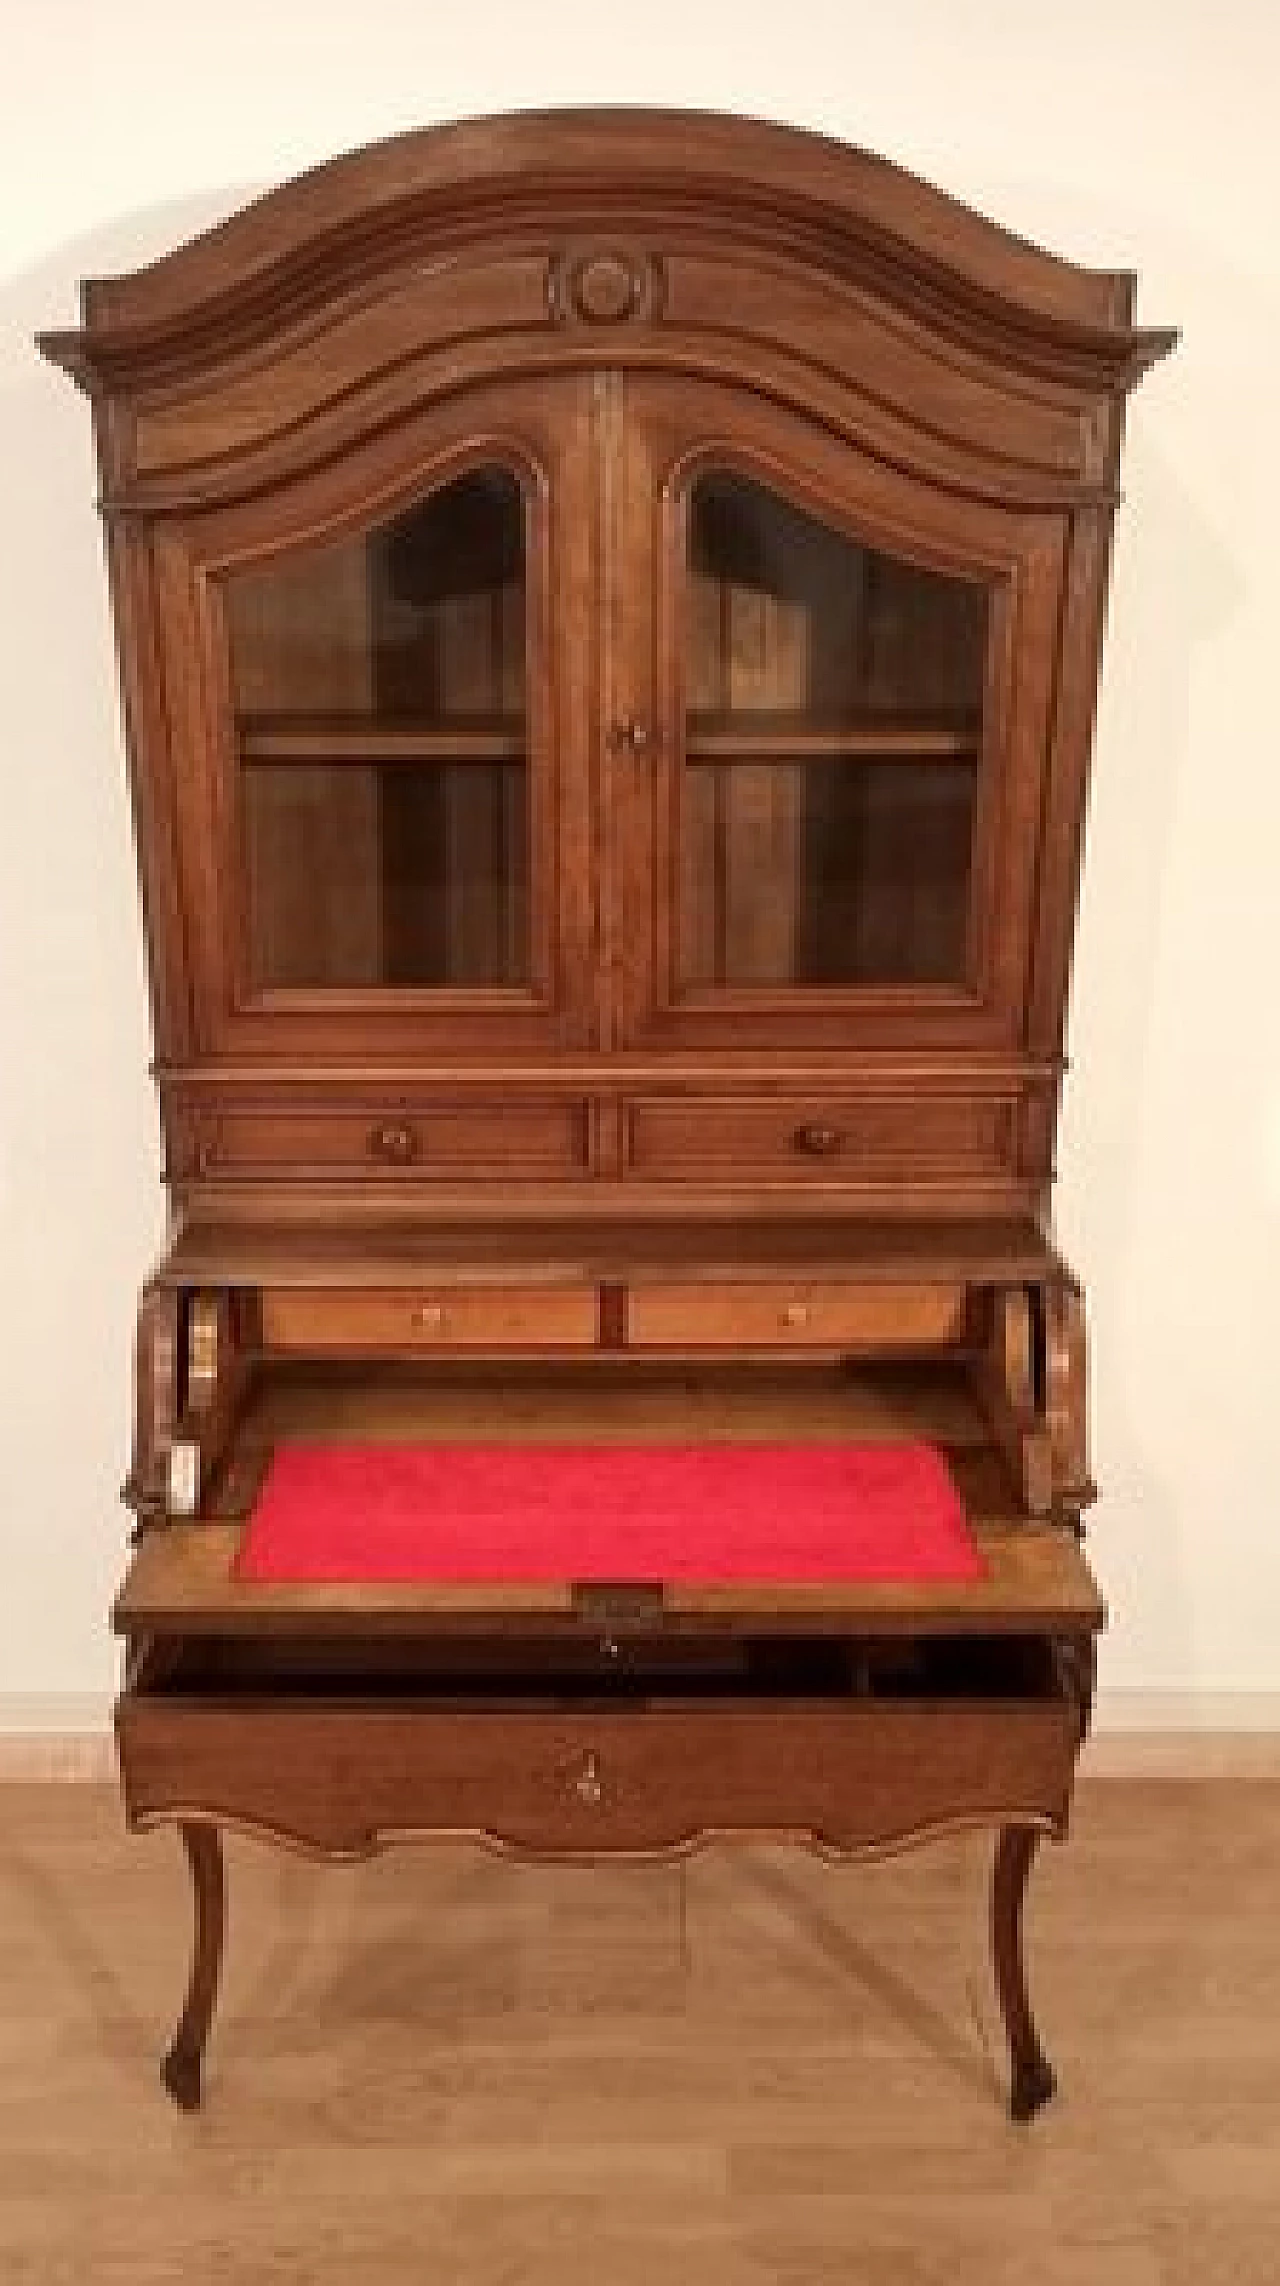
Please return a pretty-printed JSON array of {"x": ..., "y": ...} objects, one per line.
[
  {"x": 536, "y": 431},
  {"x": 677, "y": 427}
]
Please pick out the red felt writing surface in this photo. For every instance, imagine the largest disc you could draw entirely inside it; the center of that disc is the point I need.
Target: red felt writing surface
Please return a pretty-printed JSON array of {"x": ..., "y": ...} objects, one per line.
[{"x": 694, "y": 1514}]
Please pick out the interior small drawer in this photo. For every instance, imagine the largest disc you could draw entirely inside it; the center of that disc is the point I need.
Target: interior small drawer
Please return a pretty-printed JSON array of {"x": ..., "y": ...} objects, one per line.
[
  {"x": 825, "y": 1314},
  {"x": 318, "y": 1322},
  {"x": 421, "y": 1140},
  {"x": 809, "y": 1138}
]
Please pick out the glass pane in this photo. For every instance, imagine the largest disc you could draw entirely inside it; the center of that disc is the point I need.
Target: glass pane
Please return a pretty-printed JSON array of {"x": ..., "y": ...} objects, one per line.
[
  {"x": 379, "y": 688},
  {"x": 833, "y": 714}
]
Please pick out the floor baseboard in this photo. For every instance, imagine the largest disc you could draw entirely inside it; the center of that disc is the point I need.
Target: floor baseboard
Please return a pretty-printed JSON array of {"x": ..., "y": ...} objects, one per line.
[
  {"x": 56, "y": 1757},
  {"x": 1184, "y": 1734},
  {"x": 47, "y": 1737},
  {"x": 1122, "y": 1708}
]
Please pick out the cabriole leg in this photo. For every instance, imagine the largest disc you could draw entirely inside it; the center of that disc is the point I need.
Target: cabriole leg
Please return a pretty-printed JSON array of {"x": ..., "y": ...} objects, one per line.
[
  {"x": 1033, "y": 2082},
  {"x": 180, "y": 2070}
]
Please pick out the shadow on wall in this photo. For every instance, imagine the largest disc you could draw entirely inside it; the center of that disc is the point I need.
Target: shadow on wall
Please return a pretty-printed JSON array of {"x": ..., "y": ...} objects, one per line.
[
  {"x": 1136, "y": 1171},
  {"x": 80, "y": 1202}
]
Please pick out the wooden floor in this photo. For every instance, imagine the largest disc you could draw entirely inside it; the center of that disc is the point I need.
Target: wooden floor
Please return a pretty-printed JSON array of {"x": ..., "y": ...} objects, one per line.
[{"x": 442, "y": 2067}]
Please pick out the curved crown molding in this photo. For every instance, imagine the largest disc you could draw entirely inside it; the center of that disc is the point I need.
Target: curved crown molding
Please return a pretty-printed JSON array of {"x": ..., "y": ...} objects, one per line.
[{"x": 300, "y": 248}]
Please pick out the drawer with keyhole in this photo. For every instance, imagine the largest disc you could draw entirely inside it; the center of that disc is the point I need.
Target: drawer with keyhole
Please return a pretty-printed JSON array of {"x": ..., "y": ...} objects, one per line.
[{"x": 339, "y": 1776}]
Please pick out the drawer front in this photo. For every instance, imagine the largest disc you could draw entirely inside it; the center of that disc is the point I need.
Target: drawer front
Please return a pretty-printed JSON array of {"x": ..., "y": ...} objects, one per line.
[
  {"x": 809, "y": 1314},
  {"x": 382, "y": 1142},
  {"x": 584, "y": 1782},
  {"x": 319, "y": 1321},
  {"x": 799, "y": 1139}
]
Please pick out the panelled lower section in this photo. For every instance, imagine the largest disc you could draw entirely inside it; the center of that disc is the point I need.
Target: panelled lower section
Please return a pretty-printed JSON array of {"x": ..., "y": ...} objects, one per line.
[{"x": 343, "y": 1775}]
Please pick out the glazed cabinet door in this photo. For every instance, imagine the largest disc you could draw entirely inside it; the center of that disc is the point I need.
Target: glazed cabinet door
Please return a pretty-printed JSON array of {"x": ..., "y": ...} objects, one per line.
[
  {"x": 833, "y": 686},
  {"x": 383, "y": 769}
]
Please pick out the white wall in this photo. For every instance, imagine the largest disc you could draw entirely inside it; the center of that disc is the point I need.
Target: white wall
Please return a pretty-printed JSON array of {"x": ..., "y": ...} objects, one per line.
[{"x": 1139, "y": 132}]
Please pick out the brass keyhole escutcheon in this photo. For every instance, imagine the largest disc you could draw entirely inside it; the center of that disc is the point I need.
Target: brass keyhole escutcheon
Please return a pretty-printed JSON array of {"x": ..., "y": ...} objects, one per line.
[
  {"x": 813, "y": 1141},
  {"x": 588, "y": 1785},
  {"x": 631, "y": 737}
]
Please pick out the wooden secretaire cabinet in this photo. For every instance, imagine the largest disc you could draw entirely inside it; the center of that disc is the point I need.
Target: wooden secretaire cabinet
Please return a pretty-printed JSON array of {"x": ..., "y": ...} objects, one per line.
[{"x": 609, "y": 609}]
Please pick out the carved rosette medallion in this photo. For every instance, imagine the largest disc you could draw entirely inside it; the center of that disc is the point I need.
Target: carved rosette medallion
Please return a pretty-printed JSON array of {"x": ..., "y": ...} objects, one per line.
[{"x": 605, "y": 285}]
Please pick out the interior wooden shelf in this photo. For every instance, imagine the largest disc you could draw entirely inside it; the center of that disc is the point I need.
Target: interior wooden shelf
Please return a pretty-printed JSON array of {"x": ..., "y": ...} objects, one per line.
[
  {"x": 351, "y": 739},
  {"x": 786, "y": 737},
  {"x": 719, "y": 738}
]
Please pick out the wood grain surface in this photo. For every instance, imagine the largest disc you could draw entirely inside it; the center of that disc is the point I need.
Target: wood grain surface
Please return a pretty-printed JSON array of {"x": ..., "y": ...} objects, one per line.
[{"x": 761, "y": 2069}]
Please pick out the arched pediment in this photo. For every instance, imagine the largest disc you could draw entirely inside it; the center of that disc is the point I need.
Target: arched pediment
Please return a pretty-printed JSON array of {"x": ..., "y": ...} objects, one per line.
[{"x": 807, "y": 270}]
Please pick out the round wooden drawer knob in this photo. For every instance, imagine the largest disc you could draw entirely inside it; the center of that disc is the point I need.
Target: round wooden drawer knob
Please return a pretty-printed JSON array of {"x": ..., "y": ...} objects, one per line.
[
  {"x": 814, "y": 1141},
  {"x": 429, "y": 1317},
  {"x": 795, "y": 1316},
  {"x": 396, "y": 1141}
]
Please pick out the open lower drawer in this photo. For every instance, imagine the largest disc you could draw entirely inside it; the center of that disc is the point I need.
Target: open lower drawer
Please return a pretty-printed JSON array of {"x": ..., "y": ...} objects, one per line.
[{"x": 339, "y": 1743}]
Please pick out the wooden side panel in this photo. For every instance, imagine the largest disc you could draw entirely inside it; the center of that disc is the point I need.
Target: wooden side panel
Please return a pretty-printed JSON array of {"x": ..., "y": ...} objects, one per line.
[{"x": 131, "y": 568}]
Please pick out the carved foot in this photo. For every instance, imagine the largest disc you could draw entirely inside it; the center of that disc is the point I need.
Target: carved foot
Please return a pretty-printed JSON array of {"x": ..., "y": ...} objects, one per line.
[
  {"x": 1033, "y": 2084},
  {"x": 180, "y": 2070},
  {"x": 1033, "y": 2081},
  {"x": 180, "y": 2073}
]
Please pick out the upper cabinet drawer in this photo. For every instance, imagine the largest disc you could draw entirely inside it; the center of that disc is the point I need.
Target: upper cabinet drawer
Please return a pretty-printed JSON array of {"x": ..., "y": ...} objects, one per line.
[
  {"x": 811, "y": 1138},
  {"x": 446, "y": 1141}
]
